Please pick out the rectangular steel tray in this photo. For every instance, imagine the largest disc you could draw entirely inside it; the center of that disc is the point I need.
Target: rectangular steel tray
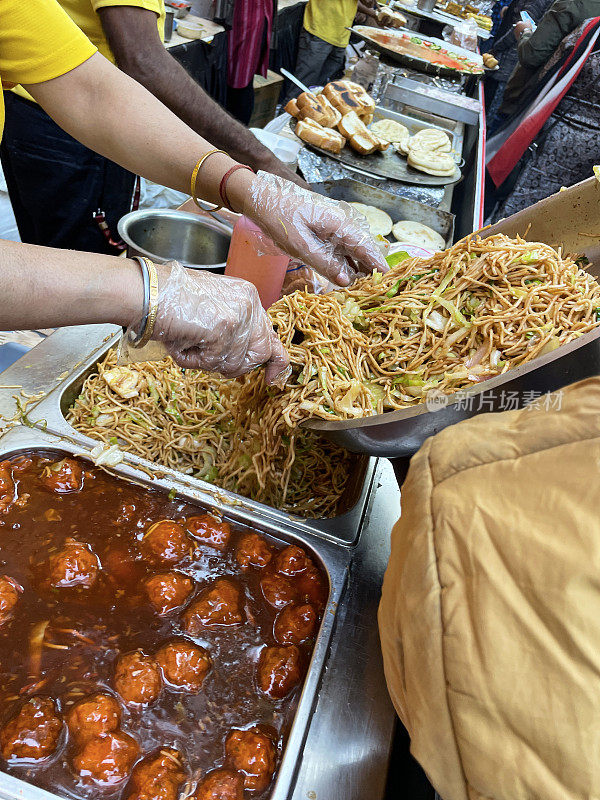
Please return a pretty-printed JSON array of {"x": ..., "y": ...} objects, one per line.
[
  {"x": 50, "y": 413},
  {"x": 334, "y": 560},
  {"x": 397, "y": 207},
  {"x": 390, "y": 164}
]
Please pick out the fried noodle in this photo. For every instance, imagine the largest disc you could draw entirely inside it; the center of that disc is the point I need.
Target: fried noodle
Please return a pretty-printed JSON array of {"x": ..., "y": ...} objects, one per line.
[{"x": 444, "y": 323}]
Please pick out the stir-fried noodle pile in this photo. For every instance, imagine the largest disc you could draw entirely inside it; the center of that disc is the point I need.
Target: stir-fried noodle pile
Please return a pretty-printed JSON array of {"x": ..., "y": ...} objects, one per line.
[{"x": 474, "y": 311}]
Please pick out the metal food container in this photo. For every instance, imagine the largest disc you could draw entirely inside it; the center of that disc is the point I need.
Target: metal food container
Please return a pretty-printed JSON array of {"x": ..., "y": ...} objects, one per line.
[
  {"x": 333, "y": 560},
  {"x": 163, "y": 235},
  {"x": 91, "y": 348}
]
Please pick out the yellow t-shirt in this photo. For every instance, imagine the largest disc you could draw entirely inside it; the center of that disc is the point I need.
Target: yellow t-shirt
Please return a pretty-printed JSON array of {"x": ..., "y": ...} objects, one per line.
[
  {"x": 328, "y": 19},
  {"x": 38, "y": 42},
  {"x": 84, "y": 14}
]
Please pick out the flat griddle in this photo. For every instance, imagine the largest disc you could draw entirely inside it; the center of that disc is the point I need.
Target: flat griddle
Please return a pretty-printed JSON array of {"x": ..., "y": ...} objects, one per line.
[
  {"x": 421, "y": 64},
  {"x": 391, "y": 164}
]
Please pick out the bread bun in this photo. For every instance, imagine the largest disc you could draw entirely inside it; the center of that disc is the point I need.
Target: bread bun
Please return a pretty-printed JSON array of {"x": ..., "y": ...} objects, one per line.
[
  {"x": 415, "y": 233},
  {"x": 347, "y": 96},
  {"x": 379, "y": 222},
  {"x": 351, "y": 125},
  {"x": 310, "y": 108},
  {"x": 292, "y": 108},
  {"x": 389, "y": 130},
  {"x": 365, "y": 145},
  {"x": 431, "y": 162},
  {"x": 311, "y": 132},
  {"x": 431, "y": 139},
  {"x": 332, "y": 115}
]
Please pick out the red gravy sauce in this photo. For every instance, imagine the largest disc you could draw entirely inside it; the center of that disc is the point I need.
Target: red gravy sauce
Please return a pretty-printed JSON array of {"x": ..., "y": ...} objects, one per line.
[{"x": 148, "y": 650}]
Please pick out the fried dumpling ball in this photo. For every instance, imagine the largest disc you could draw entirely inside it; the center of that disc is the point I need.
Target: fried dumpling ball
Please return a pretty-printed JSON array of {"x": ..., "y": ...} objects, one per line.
[
  {"x": 7, "y": 487},
  {"x": 167, "y": 591},
  {"x": 278, "y": 590},
  {"x": 253, "y": 550},
  {"x": 157, "y": 777},
  {"x": 184, "y": 664},
  {"x": 9, "y": 597},
  {"x": 209, "y": 531},
  {"x": 63, "y": 477},
  {"x": 107, "y": 760},
  {"x": 218, "y": 604},
  {"x": 312, "y": 587},
  {"x": 33, "y": 733},
  {"x": 220, "y": 784},
  {"x": 252, "y": 753},
  {"x": 137, "y": 679},
  {"x": 295, "y": 623},
  {"x": 291, "y": 560},
  {"x": 279, "y": 670},
  {"x": 95, "y": 715},
  {"x": 74, "y": 565},
  {"x": 166, "y": 542}
]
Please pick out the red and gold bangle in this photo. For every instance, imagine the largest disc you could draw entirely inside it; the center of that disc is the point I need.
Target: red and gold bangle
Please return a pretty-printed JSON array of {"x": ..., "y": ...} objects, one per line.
[
  {"x": 224, "y": 180},
  {"x": 195, "y": 175}
]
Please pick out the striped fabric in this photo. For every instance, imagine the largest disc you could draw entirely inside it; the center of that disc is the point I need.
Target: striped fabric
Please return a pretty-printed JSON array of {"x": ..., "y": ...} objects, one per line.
[{"x": 246, "y": 54}]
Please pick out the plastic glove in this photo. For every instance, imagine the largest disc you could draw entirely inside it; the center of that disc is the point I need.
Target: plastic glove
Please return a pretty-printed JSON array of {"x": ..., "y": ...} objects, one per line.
[
  {"x": 215, "y": 323},
  {"x": 328, "y": 235}
]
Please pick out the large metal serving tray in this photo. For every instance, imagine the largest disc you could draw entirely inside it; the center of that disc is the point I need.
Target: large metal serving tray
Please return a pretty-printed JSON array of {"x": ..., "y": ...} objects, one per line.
[
  {"x": 400, "y": 433},
  {"x": 334, "y": 560},
  {"x": 364, "y": 32},
  {"x": 399, "y": 208},
  {"x": 83, "y": 355},
  {"x": 391, "y": 164}
]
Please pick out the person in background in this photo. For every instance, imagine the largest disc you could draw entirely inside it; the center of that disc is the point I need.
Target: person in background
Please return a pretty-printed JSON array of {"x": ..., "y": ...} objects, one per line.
[
  {"x": 504, "y": 48},
  {"x": 323, "y": 42},
  {"x": 565, "y": 149},
  {"x": 367, "y": 13},
  {"x": 206, "y": 321},
  {"x": 536, "y": 48},
  {"x": 249, "y": 41},
  {"x": 57, "y": 185},
  {"x": 497, "y": 15}
]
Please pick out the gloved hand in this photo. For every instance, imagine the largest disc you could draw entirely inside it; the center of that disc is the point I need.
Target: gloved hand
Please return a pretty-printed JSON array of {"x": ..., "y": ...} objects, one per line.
[
  {"x": 215, "y": 323},
  {"x": 328, "y": 235}
]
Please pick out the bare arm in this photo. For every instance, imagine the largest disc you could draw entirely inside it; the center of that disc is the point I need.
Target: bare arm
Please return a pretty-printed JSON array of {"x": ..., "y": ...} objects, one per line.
[
  {"x": 118, "y": 118},
  {"x": 133, "y": 38},
  {"x": 204, "y": 321},
  {"x": 367, "y": 9},
  {"x": 112, "y": 114},
  {"x": 43, "y": 287}
]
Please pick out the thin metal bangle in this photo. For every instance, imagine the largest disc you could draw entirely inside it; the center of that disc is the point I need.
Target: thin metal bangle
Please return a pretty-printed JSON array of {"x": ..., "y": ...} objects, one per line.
[
  {"x": 194, "y": 177},
  {"x": 153, "y": 312},
  {"x": 146, "y": 278}
]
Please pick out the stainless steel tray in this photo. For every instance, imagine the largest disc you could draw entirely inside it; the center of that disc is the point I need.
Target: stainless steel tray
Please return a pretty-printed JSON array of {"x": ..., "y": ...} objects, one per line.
[
  {"x": 420, "y": 64},
  {"x": 397, "y": 207},
  {"x": 334, "y": 560},
  {"x": 401, "y": 433},
  {"x": 393, "y": 165},
  {"x": 437, "y": 15},
  {"x": 83, "y": 357}
]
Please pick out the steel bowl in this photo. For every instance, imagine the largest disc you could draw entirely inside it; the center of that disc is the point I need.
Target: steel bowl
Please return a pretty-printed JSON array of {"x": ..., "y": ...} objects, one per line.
[{"x": 165, "y": 235}]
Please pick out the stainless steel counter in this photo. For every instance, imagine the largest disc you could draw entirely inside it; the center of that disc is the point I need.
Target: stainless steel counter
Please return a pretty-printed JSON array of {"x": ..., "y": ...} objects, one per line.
[{"x": 346, "y": 749}]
